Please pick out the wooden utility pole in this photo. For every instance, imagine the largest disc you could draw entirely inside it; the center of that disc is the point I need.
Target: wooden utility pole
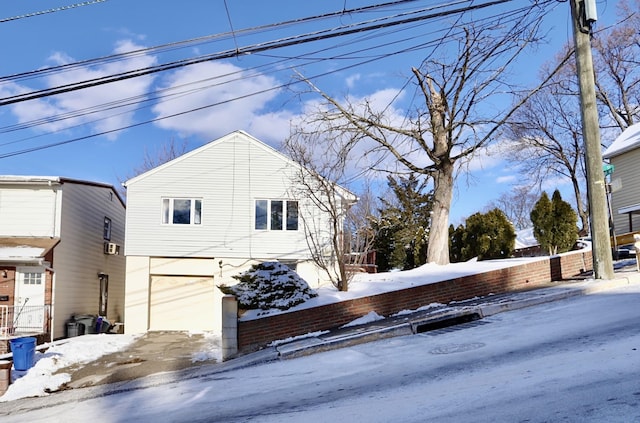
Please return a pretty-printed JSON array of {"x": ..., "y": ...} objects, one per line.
[{"x": 583, "y": 16}]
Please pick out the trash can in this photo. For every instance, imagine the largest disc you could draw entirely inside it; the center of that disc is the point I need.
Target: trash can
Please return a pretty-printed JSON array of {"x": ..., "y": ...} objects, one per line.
[
  {"x": 88, "y": 321},
  {"x": 74, "y": 329},
  {"x": 24, "y": 352},
  {"x": 102, "y": 325}
]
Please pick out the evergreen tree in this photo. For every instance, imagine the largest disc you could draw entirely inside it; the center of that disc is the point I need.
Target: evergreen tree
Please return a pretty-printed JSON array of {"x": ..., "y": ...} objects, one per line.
[
  {"x": 456, "y": 243},
  {"x": 269, "y": 285},
  {"x": 403, "y": 226},
  {"x": 542, "y": 219},
  {"x": 565, "y": 223},
  {"x": 488, "y": 236},
  {"x": 554, "y": 223}
]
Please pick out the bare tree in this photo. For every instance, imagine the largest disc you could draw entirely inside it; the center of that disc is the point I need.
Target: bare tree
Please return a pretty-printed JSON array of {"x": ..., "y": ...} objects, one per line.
[
  {"x": 359, "y": 230},
  {"x": 152, "y": 159},
  {"x": 322, "y": 165},
  {"x": 617, "y": 67},
  {"x": 548, "y": 129},
  {"x": 452, "y": 121},
  {"x": 516, "y": 205},
  {"x": 548, "y": 135}
]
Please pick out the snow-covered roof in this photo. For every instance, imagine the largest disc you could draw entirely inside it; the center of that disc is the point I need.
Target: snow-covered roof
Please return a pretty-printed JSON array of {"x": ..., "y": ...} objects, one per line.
[
  {"x": 525, "y": 239},
  {"x": 627, "y": 141}
]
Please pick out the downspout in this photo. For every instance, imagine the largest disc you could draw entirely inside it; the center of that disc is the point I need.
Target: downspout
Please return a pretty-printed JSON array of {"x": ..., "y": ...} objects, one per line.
[{"x": 53, "y": 302}]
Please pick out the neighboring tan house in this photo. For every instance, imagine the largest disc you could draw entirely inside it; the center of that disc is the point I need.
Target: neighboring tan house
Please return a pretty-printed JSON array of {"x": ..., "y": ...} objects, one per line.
[
  {"x": 59, "y": 240},
  {"x": 624, "y": 155},
  {"x": 198, "y": 220}
]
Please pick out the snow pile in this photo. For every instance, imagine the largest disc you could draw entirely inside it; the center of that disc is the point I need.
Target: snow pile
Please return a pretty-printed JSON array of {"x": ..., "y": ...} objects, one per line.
[
  {"x": 370, "y": 317},
  {"x": 41, "y": 379},
  {"x": 212, "y": 349}
]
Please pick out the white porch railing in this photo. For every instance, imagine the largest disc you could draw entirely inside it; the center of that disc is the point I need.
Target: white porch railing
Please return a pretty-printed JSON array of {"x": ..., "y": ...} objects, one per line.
[{"x": 16, "y": 320}]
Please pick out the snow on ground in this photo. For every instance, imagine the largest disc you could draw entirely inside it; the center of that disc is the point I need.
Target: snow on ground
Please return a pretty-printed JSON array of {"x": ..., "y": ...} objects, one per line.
[
  {"x": 40, "y": 380},
  {"x": 573, "y": 360}
]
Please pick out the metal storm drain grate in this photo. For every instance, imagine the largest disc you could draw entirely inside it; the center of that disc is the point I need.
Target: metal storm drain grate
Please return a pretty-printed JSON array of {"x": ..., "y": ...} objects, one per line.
[{"x": 446, "y": 321}]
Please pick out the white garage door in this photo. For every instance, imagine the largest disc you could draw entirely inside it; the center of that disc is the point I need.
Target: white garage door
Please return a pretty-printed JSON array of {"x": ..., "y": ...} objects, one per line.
[{"x": 181, "y": 303}]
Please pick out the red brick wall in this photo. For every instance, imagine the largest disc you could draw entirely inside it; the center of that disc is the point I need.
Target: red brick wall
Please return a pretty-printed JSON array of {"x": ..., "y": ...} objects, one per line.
[
  {"x": 7, "y": 284},
  {"x": 256, "y": 334}
]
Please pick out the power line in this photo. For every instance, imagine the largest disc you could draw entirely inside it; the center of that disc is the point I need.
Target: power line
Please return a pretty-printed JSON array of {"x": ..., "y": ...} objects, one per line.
[
  {"x": 375, "y": 24},
  {"x": 132, "y": 100},
  {"x": 56, "y": 9},
  {"x": 141, "y": 98},
  {"x": 202, "y": 40}
]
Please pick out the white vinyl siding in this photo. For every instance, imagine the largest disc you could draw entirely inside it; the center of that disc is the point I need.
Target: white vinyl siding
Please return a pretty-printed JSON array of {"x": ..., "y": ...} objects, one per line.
[
  {"x": 228, "y": 175},
  {"x": 29, "y": 211},
  {"x": 627, "y": 170},
  {"x": 79, "y": 257}
]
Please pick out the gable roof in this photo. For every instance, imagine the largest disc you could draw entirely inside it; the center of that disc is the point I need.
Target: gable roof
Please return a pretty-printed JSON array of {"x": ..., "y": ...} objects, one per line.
[
  {"x": 343, "y": 192},
  {"x": 628, "y": 140},
  {"x": 210, "y": 144}
]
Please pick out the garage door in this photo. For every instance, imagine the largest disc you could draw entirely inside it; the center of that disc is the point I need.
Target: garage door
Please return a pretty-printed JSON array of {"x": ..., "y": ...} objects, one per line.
[{"x": 181, "y": 303}]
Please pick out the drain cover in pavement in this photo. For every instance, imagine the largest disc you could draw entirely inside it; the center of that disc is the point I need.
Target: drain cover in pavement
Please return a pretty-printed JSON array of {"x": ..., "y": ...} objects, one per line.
[{"x": 455, "y": 348}]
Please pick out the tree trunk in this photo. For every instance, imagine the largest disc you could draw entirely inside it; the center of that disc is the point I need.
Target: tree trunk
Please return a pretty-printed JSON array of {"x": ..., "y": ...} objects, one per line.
[
  {"x": 438, "y": 248},
  {"x": 582, "y": 213}
]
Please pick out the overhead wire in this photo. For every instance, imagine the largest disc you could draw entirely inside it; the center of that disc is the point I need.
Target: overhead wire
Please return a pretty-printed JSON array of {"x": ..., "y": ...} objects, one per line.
[
  {"x": 198, "y": 89},
  {"x": 205, "y": 39},
  {"x": 184, "y": 112},
  {"x": 126, "y": 102},
  {"x": 259, "y": 47},
  {"x": 55, "y": 9}
]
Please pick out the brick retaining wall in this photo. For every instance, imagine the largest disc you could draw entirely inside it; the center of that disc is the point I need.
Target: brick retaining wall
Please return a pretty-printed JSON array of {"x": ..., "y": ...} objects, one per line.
[{"x": 256, "y": 334}]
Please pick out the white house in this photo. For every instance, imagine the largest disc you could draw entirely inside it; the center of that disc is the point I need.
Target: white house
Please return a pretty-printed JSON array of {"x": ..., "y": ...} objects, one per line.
[
  {"x": 624, "y": 155},
  {"x": 59, "y": 239},
  {"x": 196, "y": 221}
]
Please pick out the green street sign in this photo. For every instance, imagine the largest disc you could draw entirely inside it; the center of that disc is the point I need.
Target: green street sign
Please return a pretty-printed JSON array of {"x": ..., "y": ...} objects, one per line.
[{"x": 608, "y": 169}]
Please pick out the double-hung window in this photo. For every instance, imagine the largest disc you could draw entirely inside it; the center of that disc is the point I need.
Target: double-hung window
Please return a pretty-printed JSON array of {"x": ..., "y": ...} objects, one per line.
[
  {"x": 276, "y": 215},
  {"x": 181, "y": 211}
]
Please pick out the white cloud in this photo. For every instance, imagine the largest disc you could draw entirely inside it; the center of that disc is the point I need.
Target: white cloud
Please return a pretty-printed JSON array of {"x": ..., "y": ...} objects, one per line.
[
  {"x": 85, "y": 100},
  {"x": 507, "y": 179},
  {"x": 351, "y": 81},
  {"x": 219, "y": 90}
]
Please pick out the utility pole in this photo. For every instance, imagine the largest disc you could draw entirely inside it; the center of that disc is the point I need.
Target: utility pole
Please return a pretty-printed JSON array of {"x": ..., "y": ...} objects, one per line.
[{"x": 583, "y": 14}]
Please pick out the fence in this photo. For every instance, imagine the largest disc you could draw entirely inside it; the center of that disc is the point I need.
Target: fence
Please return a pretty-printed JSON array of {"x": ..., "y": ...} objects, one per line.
[{"x": 16, "y": 320}]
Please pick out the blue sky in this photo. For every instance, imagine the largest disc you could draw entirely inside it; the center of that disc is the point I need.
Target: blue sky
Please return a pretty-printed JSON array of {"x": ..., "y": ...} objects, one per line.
[{"x": 116, "y": 26}]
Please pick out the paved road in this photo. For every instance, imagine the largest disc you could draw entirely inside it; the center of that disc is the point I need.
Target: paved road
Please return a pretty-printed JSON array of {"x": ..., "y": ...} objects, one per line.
[{"x": 575, "y": 360}]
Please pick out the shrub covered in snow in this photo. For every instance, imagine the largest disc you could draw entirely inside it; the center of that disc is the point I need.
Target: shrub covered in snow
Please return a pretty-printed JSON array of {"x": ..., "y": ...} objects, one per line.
[{"x": 269, "y": 285}]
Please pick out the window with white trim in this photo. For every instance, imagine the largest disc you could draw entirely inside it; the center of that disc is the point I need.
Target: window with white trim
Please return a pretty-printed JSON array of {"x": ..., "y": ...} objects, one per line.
[
  {"x": 276, "y": 215},
  {"x": 181, "y": 211},
  {"x": 32, "y": 278}
]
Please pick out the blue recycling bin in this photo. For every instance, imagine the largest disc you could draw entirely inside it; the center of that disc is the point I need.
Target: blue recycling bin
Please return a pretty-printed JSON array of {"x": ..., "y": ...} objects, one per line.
[{"x": 24, "y": 353}]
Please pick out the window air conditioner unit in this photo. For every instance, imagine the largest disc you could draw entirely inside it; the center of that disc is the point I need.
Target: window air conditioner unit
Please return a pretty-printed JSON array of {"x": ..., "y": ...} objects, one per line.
[{"x": 111, "y": 248}]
